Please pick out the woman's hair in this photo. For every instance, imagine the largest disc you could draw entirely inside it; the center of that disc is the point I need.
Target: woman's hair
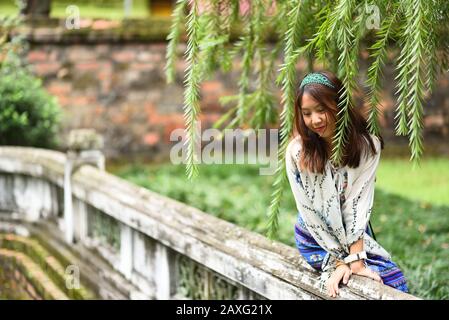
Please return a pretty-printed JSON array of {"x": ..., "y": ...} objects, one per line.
[{"x": 315, "y": 154}]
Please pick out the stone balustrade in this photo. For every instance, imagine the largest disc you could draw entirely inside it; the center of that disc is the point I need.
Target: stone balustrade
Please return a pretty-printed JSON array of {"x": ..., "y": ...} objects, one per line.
[{"x": 163, "y": 248}]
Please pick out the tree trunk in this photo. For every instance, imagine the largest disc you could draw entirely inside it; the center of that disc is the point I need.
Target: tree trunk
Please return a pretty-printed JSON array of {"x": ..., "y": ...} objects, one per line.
[{"x": 36, "y": 8}]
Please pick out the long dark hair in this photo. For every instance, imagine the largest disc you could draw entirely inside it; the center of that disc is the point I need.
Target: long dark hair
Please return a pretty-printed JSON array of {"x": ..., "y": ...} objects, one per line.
[{"x": 315, "y": 154}]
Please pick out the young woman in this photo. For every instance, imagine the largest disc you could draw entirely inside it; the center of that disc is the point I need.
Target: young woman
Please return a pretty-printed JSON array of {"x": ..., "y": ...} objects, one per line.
[{"x": 335, "y": 202}]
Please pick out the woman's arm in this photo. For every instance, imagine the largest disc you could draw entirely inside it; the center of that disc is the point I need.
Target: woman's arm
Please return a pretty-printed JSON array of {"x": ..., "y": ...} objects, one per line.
[
  {"x": 354, "y": 248},
  {"x": 356, "y": 210},
  {"x": 316, "y": 225},
  {"x": 358, "y": 267}
]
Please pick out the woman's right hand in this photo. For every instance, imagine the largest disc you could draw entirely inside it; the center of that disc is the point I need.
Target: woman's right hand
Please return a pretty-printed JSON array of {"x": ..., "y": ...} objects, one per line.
[
  {"x": 341, "y": 272},
  {"x": 359, "y": 268}
]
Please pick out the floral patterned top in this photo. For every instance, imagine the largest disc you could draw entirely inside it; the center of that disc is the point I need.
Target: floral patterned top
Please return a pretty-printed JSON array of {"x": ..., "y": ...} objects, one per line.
[{"x": 336, "y": 205}]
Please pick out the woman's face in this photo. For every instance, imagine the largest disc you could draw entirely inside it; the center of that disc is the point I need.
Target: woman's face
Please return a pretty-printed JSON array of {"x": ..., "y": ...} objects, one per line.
[{"x": 316, "y": 117}]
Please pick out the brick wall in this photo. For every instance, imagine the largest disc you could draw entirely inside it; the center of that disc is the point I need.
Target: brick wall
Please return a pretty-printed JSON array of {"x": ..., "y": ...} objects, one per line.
[
  {"x": 120, "y": 90},
  {"x": 118, "y": 87}
]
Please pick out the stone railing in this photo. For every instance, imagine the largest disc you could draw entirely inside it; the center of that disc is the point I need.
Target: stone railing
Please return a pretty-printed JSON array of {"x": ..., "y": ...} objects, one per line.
[{"x": 165, "y": 249}]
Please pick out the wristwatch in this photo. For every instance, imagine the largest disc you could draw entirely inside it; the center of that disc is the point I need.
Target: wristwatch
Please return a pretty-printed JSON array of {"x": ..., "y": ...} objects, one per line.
[{"x": 355, "y": 257}]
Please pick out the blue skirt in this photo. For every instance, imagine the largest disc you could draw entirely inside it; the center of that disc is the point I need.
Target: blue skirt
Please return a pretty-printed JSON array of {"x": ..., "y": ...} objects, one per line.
[{"x": 312, "y": 252}]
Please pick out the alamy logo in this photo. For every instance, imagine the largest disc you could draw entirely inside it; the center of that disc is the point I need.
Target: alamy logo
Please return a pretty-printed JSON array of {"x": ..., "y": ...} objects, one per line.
[
  {"x": 230, "y": 146},
  {"x": 73, "y": 19},
  {"x": 373, "y": 20},
  {"x": 72, "y": 277}
]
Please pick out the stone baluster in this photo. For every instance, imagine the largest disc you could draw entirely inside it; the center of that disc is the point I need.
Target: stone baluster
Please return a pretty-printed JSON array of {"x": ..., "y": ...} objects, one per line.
[{"x": 84, "y": 147}]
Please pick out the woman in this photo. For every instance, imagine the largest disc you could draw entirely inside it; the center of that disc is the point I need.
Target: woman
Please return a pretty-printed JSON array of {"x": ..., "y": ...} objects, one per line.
[{"x": 335, "y": 202}]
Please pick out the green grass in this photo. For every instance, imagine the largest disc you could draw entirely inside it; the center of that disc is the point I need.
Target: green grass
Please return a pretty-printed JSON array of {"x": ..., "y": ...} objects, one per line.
[
  {"x": 112, "y": 10},
  {"x": 414, "y": 232},
  {"x": 93, "y": 10},
  {"x": 8, "y": 8},
  {"x": 427, "y": 183}
]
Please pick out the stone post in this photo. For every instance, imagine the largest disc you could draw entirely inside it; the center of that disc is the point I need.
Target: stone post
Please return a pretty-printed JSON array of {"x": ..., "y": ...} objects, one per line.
[{"x": 83, "y": 148}]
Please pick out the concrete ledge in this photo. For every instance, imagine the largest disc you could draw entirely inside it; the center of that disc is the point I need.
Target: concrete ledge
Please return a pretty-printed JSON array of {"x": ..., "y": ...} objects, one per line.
[
  {"x": 270, "y": 269},
  {"x": 54, "y": 30}
]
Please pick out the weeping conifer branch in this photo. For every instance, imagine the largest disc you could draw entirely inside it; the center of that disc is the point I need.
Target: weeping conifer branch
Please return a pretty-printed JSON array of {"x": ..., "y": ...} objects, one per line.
[
  {"x": 173, "y": 40},
  {"x": 325, "y": 30},
  {"x": 248, "y": 46},
  {"x": 265, "y": 106},
  {"x": 262, "y": 106},
  {"x": 255, "y": 106},
  {"x": 374, "y": 77},
  {"x": 289, "y": 83},
  {"x": 213, "y": 39},
  {"x": 404, "y": 71},
  {"x": 191, "y": 93},
  {"x": 418, "y": 60},
  {"x": 342, "y": 25},
  {"x": 431, "y": 46}
]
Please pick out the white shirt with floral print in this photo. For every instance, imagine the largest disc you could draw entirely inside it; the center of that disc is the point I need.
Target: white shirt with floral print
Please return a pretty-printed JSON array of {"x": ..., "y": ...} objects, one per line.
[{"x": 336, "y": 205}]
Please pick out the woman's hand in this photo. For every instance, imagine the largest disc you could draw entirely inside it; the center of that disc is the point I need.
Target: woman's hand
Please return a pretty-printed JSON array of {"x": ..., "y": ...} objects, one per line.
[
  {"x": 359, "y": 268},
  {"x": 341, "y": 272}
]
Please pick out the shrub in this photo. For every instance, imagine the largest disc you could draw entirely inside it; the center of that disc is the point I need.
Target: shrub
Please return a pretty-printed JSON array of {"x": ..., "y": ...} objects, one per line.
[{"x": 29, "y": 116}]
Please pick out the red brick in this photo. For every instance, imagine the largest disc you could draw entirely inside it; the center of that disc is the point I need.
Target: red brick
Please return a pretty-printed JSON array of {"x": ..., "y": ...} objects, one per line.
[
  {"x": 120, "y": 118},
  {"x": 163, "y": 119},
  {"x": 385, "y": 102},
  {"x": 161, "y": 47},
  {"x": 170, "y": 127},
  {"x": 63, "y": 100},
  {"x": 104, "y": 24},
  {"x": 59, "y": 88},
  {"x": 151, "y": 138},
  {"x": 209, "y": 118},
  {"x": 46, "y": 68},
  {"x": 99, "y": 110},
  {"x": 82, "y": 100},
  {"x": 210, "y": 103},
  {"x": 85, "y": 23},
  {"x": 149, "y": 108},
  {"x": 88, "y": 66},
  {"x": 365, "y": 54},
  {"x": 53, "y": 56},
  {"x": 102, "y": 49},
  {"x": 443, "y": 82},
  {"x": 78, "y": 53},
  {"x": 37, "y": 56},
  {"x": 181, "y": 66},
  {"x": 208, "y": 87},
  {"x": 62, "y": 73},
  {"x": 105, "y": 84},
  {"x": 104, "y": 75},
  {"x": 124, "y": 56},
  {"x": 144, "y": 56},
  {"x": 433, "y": 121},
  {"x": 143, "y": 66}
]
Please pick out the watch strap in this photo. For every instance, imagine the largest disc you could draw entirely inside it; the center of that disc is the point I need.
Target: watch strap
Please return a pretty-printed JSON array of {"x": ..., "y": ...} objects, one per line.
[{"x": 355, "y": 257}]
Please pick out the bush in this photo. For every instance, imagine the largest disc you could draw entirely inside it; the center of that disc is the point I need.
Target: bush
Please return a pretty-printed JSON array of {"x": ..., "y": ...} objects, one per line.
[{"x": 29, "y": 116}]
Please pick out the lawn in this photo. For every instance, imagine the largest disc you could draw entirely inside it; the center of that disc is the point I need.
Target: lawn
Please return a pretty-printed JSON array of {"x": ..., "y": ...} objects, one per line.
[
  {"x": 92, "y": 9},
  {"x": 428, "y": 183},
  {"x": 410, "y": 216}
]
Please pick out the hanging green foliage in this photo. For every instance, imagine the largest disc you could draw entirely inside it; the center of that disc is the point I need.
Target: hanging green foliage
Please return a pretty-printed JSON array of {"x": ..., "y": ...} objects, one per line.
[{"x": 332, "y": 33}]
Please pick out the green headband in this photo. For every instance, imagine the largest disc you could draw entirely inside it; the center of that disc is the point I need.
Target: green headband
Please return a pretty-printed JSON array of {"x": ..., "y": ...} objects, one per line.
[{"x": 316, "y": 78}]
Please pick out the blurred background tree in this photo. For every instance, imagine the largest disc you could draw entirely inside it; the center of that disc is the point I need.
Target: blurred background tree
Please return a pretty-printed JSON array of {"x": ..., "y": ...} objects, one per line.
[
  {"x": 34, "y": 8},
  {"x": 29, "y": 115},
  {"x": 331, "y": 34}
]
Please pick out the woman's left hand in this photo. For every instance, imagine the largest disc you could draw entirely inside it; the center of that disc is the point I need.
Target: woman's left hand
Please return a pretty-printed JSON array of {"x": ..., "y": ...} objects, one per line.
[{"x": 359, "y": 268}]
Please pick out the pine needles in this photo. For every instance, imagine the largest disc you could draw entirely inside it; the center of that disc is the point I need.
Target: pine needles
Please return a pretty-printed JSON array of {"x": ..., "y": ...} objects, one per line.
[{"x": 327, "y": 31}]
